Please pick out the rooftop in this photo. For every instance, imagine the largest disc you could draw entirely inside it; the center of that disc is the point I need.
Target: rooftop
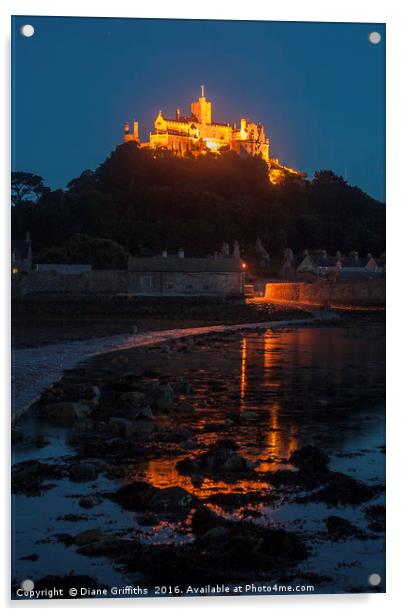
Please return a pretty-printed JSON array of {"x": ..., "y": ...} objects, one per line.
[{"x": 174, "y": 263}]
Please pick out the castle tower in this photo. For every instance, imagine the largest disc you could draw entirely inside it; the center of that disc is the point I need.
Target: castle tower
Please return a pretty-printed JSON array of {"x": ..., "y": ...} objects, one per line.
[
  {"x": 202, "y": 109},
  {"x": 243, "y": 128},
  {"x": 134, "y": 136}
]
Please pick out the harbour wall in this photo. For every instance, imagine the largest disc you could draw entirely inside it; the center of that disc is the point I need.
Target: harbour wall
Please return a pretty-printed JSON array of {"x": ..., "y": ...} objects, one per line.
[
  {"x": 125, "y": 282},
  {"x": 339, "y": 293}
]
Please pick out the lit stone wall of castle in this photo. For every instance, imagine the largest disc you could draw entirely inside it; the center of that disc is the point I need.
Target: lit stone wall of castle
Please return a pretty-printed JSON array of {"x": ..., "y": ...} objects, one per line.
[{"x": 197, "y": 133}]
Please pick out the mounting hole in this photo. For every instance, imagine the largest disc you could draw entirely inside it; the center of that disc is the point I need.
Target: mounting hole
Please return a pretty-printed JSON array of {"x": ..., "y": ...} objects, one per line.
[
  {"x": 27, "y": 585},
  {"x": 374, "y": 38},
  {"x": 27, "y": 30},
  {"x": 374, "y": 579}
]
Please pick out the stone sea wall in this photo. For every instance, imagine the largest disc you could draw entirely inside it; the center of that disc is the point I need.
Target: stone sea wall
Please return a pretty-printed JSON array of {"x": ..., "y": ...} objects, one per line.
[
  {"x": 112, "y": 282},
  {"x": 348, "y": 293}
]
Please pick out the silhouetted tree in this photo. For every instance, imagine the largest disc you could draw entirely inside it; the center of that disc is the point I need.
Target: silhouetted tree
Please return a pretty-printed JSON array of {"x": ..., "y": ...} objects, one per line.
[
  {"x": 26, "y": 187},
  {"x": 80, "y": 248}
]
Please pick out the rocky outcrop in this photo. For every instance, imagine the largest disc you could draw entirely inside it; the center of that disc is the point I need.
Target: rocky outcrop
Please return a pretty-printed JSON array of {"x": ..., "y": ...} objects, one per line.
[
  {"x": 140, "y": 496},
  {"x": 221, "y": 461}
]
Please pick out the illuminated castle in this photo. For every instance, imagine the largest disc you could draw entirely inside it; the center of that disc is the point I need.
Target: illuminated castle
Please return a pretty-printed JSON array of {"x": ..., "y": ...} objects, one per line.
[{"x": 197, "y": 133}]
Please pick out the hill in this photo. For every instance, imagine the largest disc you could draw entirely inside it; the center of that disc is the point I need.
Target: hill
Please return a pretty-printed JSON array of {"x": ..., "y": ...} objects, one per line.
[{"x": 148, "y": 201}]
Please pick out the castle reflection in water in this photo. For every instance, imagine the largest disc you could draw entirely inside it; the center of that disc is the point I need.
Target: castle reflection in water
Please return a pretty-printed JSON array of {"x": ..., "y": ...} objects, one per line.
[{"x": 320, "y": 386}]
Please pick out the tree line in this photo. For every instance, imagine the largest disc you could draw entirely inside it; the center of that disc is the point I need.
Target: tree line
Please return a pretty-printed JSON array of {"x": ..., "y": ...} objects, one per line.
[{"x": 145, "y": 201}]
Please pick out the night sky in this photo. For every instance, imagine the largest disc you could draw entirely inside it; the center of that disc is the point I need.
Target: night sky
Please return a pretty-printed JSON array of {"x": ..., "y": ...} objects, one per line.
[{"x": 319, "y": 89}]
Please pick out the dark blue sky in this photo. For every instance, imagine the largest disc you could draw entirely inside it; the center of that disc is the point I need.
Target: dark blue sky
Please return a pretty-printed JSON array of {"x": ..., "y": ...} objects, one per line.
[{"x": 319, "y": 89}]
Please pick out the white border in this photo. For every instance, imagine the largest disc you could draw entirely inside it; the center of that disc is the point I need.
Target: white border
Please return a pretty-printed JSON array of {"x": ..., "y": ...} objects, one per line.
[{"x": 291, "y": 10}]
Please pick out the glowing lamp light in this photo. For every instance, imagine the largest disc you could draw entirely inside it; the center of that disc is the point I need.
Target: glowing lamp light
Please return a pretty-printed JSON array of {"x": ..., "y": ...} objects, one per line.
[
  {"x": 211, "y": 145},
  {"x": 244, "y": 265}
]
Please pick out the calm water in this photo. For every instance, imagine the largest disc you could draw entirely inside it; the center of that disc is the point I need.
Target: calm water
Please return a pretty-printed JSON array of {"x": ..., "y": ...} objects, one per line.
[
  {"x": 34, "y": 368},
  {"x": 323, "y": 387},
  {"x": 319, "y": 386}
]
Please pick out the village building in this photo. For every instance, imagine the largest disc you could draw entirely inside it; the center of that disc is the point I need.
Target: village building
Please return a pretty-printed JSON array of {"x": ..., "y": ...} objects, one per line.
[
  {"x": 173, "y": 275},
  {"x": 198, "y": 133},
  {"x": 21, "y": 255},
  {"x": 367, "y": 267},
  {"x": 288, "y": 268},
  {"x": 320, "y": 263},
  {"x": 262, "y": 254},
  {"x": 165, "y": 275}
]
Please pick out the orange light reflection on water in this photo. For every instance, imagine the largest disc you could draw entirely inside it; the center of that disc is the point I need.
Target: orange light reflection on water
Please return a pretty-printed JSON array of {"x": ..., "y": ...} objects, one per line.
[
  {"x": 162, "y": 473},
  {"x": 261, "y": 354},
  {"x": 243, "y": 372}
]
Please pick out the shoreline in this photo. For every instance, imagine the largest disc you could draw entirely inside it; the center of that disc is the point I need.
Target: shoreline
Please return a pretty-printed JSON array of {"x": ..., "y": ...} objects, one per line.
[
  {"x": 43, "y": 352},
  {"x": 76, "y": 321},
  {"x": 96, "y": 345},
  {"x": 159, "y": 336}
]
